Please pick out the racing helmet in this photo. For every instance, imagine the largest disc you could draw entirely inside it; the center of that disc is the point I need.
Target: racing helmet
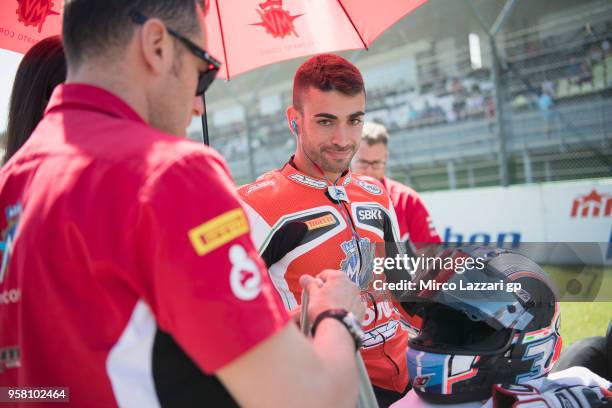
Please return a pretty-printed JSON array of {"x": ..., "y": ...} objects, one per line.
[{"x": 473, "y": 339}]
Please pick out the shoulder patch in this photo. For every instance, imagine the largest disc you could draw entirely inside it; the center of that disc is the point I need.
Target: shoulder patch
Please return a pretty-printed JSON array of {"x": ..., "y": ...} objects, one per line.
[
  {"x": 245, "y": 277},
  {"x": 369, "y": 187},
  {"x": 258, "y": 186},
  {"x": 308, "y": 181},
  {"x": 219, "y": 231}
]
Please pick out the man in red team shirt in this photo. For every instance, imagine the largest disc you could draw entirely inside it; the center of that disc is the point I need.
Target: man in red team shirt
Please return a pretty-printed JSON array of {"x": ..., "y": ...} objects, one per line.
[
  {"x": 415, "y": 224},
  {"x": 128, "y": 274}
]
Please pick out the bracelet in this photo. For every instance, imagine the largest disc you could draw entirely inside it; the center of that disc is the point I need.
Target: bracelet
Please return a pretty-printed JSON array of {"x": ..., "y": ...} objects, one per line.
[{"x": 347, "y": 319}]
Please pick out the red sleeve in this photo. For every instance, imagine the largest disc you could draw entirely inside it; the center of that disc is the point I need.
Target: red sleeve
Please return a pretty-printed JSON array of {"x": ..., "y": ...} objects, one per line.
[
  {"x": 420, "y": 226},
  {"x": 210, "y": 290}
]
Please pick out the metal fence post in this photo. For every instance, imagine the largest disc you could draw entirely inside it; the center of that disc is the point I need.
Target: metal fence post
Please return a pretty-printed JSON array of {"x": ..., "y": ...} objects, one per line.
[
  {"x": 502, "y": 154},
  {"x": 250, "y": 145}
]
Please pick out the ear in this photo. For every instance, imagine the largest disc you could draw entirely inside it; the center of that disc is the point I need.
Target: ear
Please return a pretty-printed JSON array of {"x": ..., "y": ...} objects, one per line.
[
  {"x": 293, "y": 119},
  {"x": 198, "y": 106},
  {"x": 156, "y": 45}
]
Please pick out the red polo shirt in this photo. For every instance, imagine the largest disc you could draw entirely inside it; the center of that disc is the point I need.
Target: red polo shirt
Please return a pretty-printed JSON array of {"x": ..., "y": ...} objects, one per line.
[
  {"x": 128, "y": 274},
  {"x": 412, "y": 217}
]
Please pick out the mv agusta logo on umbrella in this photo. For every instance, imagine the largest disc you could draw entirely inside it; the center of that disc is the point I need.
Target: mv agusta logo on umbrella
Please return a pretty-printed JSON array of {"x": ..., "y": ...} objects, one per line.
[
  {"x": 277, "y": 21},
  {"x": 34, "y": 12}
]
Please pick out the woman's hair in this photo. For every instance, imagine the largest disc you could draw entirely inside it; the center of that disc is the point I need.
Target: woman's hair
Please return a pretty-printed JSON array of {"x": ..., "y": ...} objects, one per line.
[{"x": 41, "y": 70}]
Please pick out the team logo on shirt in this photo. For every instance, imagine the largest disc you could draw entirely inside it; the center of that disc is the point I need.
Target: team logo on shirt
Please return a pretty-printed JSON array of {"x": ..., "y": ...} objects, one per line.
[
  {"x": 308, "y": 181},
  {"x": 245, "y": 277},
  {"x": 258, "y": 186},
  {"x": 218, "y": 231},
  {"x": 320, "y": 222},
  {"x": 358, "y": 264},
  {"x": 10, "y": 296},
  {"x": 9, "y": 358},
  {"x": 8, "y": 236},
  {"x": 369, "y": 187}
]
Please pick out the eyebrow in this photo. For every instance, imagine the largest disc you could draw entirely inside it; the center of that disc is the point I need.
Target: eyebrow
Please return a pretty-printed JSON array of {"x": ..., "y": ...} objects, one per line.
[{"x": 330, "y": 116}]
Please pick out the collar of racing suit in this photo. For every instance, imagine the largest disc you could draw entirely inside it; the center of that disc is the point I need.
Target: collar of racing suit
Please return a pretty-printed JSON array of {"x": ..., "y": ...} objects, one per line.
[{"x": 291, "y": 171}]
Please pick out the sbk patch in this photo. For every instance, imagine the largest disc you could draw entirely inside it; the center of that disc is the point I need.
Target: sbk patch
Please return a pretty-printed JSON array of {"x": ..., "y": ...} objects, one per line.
[
  {"x": 371, "y": 218},
  {"x": 369, "y": 214}
]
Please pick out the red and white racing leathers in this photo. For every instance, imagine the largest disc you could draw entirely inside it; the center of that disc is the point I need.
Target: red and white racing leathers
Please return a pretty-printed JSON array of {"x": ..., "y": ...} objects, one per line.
[{"x": 301, "y": 225}]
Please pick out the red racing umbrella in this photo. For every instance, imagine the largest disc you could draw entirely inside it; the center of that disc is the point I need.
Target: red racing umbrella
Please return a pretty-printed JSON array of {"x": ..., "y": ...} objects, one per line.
[
  {"x": 25, "y": 22},
  {"x": 247, "y": 34}
]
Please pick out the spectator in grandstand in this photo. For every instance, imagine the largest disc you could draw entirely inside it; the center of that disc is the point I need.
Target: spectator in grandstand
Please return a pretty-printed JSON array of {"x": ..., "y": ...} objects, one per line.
[
  {"x": 314, "y": 213},
  {"x": 414, "y": 221},
  {"x": 586, "y": 74},
  {"x": 459, "y": 95},
  {"x": 595, "y": 54},
  {"x": 475, "y": 103},
  {"x": 128, "y": 274},
  {"x": 545, "y": 104},
  {"x": 605, "y": 47},
  {"x": 573, "y": 69},
  {"x": 456, "y": 86},
  {"x": 548, "y": 87},
  {"x": 412, "y": 113},
  {"x": 42, "y": 68},
  {"x": 490, "y": 113}
]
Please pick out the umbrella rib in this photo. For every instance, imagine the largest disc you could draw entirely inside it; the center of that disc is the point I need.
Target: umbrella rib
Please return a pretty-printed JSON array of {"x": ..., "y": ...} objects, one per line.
[
  {"x": 353, "y": 24},
  {"x": 222, "y": 40}
]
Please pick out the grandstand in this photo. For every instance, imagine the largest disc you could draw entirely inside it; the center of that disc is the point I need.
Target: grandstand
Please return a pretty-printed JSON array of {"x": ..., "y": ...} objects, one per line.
[{"x": 436, "y": 92}]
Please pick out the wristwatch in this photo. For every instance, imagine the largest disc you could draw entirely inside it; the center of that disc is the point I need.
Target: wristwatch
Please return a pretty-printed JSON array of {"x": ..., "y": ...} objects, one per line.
[{"x": 347, "y": 319}]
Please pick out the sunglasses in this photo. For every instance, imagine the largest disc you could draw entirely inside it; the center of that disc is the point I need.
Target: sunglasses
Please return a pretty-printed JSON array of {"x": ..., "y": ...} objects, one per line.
[{"x": 206, "y": 77}]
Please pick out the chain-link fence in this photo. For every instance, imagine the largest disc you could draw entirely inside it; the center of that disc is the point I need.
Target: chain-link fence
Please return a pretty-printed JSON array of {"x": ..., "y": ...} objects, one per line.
[{"x": 546, "y": 115}]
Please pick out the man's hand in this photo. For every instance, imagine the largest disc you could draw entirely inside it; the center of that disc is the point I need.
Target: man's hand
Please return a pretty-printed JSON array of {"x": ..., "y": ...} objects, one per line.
[{"x": 332, "y": 289}]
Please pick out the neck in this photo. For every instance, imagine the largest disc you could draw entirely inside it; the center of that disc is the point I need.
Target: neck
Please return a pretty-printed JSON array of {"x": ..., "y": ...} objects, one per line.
[
  {"x": 120, "y": 83},
  {"x": 307, "y": 166}
]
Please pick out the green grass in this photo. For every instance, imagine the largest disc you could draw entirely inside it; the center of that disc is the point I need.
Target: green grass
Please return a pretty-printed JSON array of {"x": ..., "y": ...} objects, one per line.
[
  {"x": 582, "y": 319},
  {"x": 585, "y": 318}
]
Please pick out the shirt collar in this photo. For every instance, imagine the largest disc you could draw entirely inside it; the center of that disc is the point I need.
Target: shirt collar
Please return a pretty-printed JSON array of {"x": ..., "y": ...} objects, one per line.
[
  {"x": 384, "y": 181},
  {"x": 90, "y": 97},
  {"x": 291, "y": 172}
]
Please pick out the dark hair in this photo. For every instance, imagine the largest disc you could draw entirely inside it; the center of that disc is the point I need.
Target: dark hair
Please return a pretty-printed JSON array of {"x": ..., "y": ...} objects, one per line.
[
  {"x": 327, "y": 72},
  {"x": 41, "y": 70},
  {"x": 93, "y": 27}
]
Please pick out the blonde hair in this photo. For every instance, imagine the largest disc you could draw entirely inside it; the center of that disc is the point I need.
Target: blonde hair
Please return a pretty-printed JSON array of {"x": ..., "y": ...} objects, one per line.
[{"x": 374, "y": 133}]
